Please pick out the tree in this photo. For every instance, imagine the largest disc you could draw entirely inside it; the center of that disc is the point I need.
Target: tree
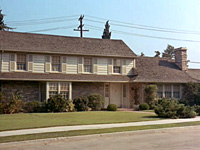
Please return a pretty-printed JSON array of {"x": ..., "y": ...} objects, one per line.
[
  {"x": 3, "y": 26},
  {"x": 157, "y": 54},
  {"x": 169, "y": 52}
]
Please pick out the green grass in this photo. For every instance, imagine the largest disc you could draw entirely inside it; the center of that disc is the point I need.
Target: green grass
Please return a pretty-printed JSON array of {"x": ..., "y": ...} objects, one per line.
[
  {"x": 38, "y": 120},
  {"x": 93, "y": 131},
  {"x": 148, "y": 111}
]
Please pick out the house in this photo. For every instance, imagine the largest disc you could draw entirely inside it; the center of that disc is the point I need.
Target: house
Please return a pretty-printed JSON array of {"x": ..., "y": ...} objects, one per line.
[{"x": 40, "y": 66}]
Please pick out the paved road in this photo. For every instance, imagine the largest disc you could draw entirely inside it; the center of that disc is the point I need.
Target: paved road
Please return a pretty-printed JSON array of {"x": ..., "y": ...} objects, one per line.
[{"x": 162, "y": 139}]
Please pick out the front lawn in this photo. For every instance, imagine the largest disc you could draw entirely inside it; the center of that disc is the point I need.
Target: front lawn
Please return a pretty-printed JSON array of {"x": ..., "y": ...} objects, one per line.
[{"x": 37, "y": 120}]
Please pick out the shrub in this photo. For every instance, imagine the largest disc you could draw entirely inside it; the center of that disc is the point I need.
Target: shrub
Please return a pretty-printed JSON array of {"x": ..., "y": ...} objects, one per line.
[
  {"x": 33, "y": 106},
  {"x": 144, "y": 106},
  {"x": 96, "y": 101},
  {"x": 151, "y": 95},
  {"x": 112, "y": 107},
  {"x": 13, "y": 104},
  {"x": 191, "y": 93},
  {"x": 172, "y": 109},
  {"x": 197, "y": 109},
  {"x": 81, "y": 103},
  {"x": 56, "y": 104},
  {"x": 70, "y": 106}
]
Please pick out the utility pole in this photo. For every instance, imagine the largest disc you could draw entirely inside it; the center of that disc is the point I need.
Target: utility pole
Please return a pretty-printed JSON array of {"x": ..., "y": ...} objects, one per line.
[{"x": 80, "y": 27}]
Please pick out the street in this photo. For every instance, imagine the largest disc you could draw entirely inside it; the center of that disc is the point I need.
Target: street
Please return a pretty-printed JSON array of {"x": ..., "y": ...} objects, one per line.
[{"x": 161, "y": 139}]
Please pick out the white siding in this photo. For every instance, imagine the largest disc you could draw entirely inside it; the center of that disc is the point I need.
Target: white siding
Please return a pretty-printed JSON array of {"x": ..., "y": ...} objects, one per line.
[
  {"x": 72, "y": 65},
  {"x": 129, "y": 66},
  {"x": 38, "y": 63},
  {"x": 6, "y": 63},
  {"x": 102, "y": 66}
]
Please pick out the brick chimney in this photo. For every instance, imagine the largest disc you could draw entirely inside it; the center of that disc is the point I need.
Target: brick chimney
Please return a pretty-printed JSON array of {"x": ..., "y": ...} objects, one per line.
[{"x": 181, "y": 58}]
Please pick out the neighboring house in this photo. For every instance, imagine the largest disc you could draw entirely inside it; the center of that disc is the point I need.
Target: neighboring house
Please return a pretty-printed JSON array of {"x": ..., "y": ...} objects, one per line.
[{"x": 40, "y": 66}]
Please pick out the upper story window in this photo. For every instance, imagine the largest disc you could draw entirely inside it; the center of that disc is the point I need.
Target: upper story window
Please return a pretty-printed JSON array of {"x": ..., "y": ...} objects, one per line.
[
  {"x": 116, "y": 66},
  {"x": 21, "y": 61},
  {"x": 55, "y": 63},
  {"x": 87, "y": 64}
]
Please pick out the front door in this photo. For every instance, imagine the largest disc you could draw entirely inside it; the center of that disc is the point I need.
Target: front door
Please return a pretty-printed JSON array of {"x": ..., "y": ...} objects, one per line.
[{"x": 116, "y": 94}]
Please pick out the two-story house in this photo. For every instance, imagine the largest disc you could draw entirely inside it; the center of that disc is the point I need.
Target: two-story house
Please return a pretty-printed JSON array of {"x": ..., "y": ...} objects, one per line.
[{"x": 40, "y": 66}]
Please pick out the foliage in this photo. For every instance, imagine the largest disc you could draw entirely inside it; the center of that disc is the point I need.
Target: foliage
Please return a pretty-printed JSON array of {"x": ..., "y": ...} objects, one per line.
[
  {"x": 81, "y": 103},
  {"x": 157, "y": 54},
  {"x": 96, "y": 101},
  {"x": 32, "y": 107},
  {"x": 13, "y": 104},
  {"x": 112, "y": 107},
  {"x": 144, "y": 106},
  {"x": 172, "y": 109},
  {"x": 197, "y": 109},
  {"x": 56, "y": 104},
  {"x": 151, "y": 95},
  {"x": 70, "y": 106},
  {"x": 169, "y": 52},
  {"x": 191, "y": 94}
]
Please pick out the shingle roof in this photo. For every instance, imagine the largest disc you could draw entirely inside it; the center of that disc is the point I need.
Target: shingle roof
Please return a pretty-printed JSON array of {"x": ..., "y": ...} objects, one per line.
[
  {"x": 63, "y": 77},
  {"x": 40, "y": 43},
  {"x": 154, "y": 69},
  {"x": 194, "y": 73}
]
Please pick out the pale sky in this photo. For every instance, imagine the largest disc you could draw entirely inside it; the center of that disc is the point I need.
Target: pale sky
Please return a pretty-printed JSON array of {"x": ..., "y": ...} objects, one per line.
[{"x": 172, "y": 14}]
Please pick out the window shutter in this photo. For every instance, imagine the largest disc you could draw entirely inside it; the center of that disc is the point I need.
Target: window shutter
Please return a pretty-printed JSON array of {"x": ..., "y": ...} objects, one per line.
[
  {"x": 48, "y": 64},
  {"x": 94, "y": 62},
  {"x": 63, "y": 63},
  {"x": 80, "y": 65},
  {"x": 12, "y": 62},
  {"x": 110, "y": 66},
  {"x": 30, "y": 62},
  {"x": 123, "y": 66}
]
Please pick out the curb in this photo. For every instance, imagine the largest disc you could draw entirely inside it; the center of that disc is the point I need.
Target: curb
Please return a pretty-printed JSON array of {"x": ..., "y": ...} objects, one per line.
[{"x": 86, "y": 137}]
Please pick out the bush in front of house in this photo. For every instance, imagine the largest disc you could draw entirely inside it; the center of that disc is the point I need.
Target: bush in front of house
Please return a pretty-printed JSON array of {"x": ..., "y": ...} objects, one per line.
[
  {"x": 197, "y": 109},
  {"x": 112, "y": 107},
  {"x": 13, "y": 104},
  {"x": 81, "y": 103},
  {"x": 144, "y": 106},
  {"x": 32, "y": 107},
  {"x": 56, "y": 104},
  {"x": 151, "y": 95},
  {"x": 96, "y": 101},
  {"x": 172, "y": 109},
  {"x": 70, "y": 106}
]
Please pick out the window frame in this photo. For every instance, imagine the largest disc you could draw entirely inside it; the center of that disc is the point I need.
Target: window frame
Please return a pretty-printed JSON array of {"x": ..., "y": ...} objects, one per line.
[
  {"x": 22, "y": 64},
  {"x": 117, "y": 66},
  {"x": 55, "y": 64},
  {"x": 89, "y": 65}
]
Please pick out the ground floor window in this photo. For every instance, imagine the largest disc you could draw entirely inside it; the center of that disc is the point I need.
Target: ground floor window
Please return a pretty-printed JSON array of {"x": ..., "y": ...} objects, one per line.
[
  {"x": 59, "y": 88},
  {"x": 169, "y": 91}
]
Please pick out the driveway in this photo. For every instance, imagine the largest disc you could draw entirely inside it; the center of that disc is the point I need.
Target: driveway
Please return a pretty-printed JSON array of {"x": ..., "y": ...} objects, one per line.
[{"x": 182, "y": 138}]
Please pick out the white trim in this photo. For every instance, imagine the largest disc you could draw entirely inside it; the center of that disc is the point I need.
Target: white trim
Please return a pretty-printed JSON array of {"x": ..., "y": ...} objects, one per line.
[
  {"x": 70, "y": 91},
  {"x": 47, "y": 90}
]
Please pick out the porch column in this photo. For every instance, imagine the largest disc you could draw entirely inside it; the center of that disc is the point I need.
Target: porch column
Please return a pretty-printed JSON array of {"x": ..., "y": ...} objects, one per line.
[
  {"x": 70, "y": 91},
  {"x": 47, "y": 90}
]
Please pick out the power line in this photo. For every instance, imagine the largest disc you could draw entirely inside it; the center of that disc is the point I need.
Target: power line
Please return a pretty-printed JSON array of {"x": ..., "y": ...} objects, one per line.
[
  {"x": 142, "y": 28},
  {"x": 21, "y": 21},
  {"x": 50, "y": 29},
  {"x": 169, "y": 29},
  {"x": 44, "y": 22},
  {"x": 142, "y": 35}
]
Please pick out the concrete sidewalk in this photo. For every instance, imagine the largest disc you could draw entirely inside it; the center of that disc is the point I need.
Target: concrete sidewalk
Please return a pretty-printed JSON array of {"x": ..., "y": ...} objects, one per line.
[{"x": 97, "y": 126}]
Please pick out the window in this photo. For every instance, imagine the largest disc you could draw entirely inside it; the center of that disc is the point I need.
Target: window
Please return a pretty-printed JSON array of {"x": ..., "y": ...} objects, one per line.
[
  {"x": 107, "y": 90},
  {"x": 21, "y": 61},
  {"x": 53, "y": 89},
  {"x": 116, "y": 66},
  {"x": 124, "y": 90},
  {"x": 64, "y": 90},
  {"x": 168, "y": 92},
  {"x": 176, "y": 91},
  {"x": 55, "y": 63},
  {"x": 160, "y": 91},
  {"x": 88, "y": 65},
  {"x": 61, "y": 88}
]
